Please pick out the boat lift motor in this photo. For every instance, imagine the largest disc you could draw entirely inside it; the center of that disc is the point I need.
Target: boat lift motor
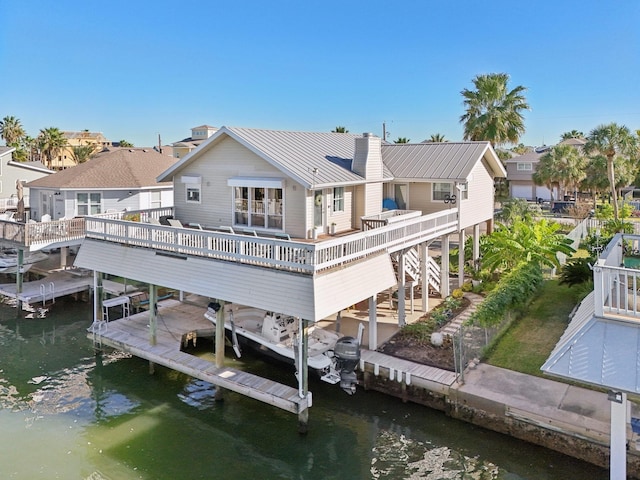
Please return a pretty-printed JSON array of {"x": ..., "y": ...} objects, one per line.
[{"x": 347, "y": 355}]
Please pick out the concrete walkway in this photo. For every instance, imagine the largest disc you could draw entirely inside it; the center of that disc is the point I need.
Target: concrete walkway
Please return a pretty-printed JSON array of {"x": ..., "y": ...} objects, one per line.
[{"x": 540, "y": 401}]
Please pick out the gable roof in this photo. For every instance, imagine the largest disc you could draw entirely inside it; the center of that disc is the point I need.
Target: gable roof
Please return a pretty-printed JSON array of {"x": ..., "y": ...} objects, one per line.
[
  {"x": 35, "y": 166},
  {"x": 6, "y": 150},
  {"x": 526, "y": 157},
  {"x": 297, "y": 154},
  {"x": 115, "y": 168},
  {"x": 439, "y": 161},
  {"x": 324, "y": 159}
]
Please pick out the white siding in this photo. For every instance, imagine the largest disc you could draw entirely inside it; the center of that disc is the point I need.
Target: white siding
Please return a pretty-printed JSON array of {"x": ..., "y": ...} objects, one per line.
[
  {"x": 479, "y": 205},
  {"x": 373, "y": 198},
  {"x": 226, "y": 160},
  {"x": 312, "y": 298},
  {"x": 341, "y": 288}
]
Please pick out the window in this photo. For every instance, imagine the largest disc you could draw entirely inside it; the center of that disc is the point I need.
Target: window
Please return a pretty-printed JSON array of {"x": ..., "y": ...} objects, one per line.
[
  {"x": 89, "y": 203},
  {"x": 258, "y": 207},
  {"x": 193, "y": 193},
  {"x": 525, "y": 167},
  {"x": 338, "y": 199},
  {"x": 441, "y": 190},
  {"x": 156, "y": 199}
]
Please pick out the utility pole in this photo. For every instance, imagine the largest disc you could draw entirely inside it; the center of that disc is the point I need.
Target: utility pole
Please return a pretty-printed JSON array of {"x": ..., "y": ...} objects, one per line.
[{"x": 384, "y": 131}]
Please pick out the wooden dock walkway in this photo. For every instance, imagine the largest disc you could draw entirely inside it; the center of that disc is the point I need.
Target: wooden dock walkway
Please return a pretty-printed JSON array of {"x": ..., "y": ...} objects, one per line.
[
  {"x": 403, "y": 371},
  {"x": 58, "y": 283},
  {"x": 175, "y": 321},
  {"x": 53, "y": 285}
]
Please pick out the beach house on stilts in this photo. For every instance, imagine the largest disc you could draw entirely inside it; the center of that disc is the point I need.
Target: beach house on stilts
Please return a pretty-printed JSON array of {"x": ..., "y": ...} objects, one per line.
[{"x": 304, "y": 224}]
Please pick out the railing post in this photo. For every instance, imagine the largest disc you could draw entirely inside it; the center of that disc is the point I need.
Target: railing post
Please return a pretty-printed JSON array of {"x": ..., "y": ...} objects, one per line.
[{"x": 598, "y": 289}]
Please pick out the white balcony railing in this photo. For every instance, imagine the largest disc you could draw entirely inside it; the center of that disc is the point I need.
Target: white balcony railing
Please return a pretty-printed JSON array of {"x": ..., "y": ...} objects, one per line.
[
  {"x": 298, "y": 256},
  {"x": 616, "y": 277}
]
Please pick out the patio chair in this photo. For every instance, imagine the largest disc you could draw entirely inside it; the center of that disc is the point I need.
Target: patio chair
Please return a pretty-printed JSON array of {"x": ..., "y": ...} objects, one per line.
[{"x": 175, "y": 223}]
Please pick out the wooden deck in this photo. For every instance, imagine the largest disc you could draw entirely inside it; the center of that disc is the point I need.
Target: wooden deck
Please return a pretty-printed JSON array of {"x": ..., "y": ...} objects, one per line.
[
  {"x": 431, "y": 378},
  {"x": 54, "y": 285},
  {"x": 176, "y": 319}
]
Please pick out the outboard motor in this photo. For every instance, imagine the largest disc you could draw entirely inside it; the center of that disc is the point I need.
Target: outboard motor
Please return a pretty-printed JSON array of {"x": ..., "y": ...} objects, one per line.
[{"x": 347, "y": 355}]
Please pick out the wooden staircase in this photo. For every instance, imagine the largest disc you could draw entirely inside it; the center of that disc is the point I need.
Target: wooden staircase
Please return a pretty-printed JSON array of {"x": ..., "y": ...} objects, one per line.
[{"x": 412, "y": 271}]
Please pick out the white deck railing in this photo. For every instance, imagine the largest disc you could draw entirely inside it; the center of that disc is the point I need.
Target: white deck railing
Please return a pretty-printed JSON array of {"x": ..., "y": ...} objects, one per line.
[
  {"x": 43, "y": 234},
  {"x": 298, "y": 256},
  {"x": 616, "y": 286}
]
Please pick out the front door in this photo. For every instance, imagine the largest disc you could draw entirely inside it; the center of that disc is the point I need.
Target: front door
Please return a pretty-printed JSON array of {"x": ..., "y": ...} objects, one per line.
[{"x": 317, "y": 208}]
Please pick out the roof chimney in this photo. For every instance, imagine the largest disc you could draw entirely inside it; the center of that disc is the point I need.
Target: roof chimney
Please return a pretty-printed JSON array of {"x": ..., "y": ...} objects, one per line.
[{"x": 367, "y": 160}]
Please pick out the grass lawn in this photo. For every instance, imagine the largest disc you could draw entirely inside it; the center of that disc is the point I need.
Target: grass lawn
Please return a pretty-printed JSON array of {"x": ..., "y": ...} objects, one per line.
[{"x": 529, "y": 341}]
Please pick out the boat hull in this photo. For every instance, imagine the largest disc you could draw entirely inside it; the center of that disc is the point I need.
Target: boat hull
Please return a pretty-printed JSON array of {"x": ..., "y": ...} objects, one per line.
[{"x": 319, "y": 362}]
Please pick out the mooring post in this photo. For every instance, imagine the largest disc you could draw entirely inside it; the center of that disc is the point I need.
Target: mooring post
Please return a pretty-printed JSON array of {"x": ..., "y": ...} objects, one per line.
[
  {"x": 153, "y": 313},
  {"x": 303, "y": 375},
  {"x": 19, "y": 277},
  {"x": 219, "y": 345}
]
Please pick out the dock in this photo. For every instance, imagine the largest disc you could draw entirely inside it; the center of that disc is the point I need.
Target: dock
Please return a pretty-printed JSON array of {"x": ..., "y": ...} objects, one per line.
[
  {"x": 408, "y": 373},
  {"x": 59, "y": 283},
  {"x": 177, "y": 322}
]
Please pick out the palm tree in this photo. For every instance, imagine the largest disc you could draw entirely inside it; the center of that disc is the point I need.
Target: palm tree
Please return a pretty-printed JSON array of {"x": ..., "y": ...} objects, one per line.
[
  {"x": 595, "y": 180},
  {"x": 612, "y": 140},
  {"x": 11, "y": 131},
  {"x": 571, "y": 134},
  {"x": 546, "y": 175},
  {"x": 521, "y": 149},
  {"x": 82, "y": 153},
  {"x": 340, "y": 130},
  {"x": 566, "y": 166},
  {"x": 436, "y": 138},
  {"x": 50, "y": 141},
  {"x": 402, "y": 140},
  {"x": 492, "y": 112}
]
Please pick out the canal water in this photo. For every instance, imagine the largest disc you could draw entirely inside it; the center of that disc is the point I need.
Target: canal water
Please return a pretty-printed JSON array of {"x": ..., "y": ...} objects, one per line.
[{"x": 64, "y": 414}]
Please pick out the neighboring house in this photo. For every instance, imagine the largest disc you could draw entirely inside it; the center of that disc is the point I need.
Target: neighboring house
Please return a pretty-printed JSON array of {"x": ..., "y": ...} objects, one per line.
[
  {"x": 11, "y": 172},
  {"x": 276, "y": 184},
  {"x": 65, "y": 158},
  {"x": 114, "y": 180},
  {"x": 198, "y": 135},
  {"x": 520, "y": 171}
]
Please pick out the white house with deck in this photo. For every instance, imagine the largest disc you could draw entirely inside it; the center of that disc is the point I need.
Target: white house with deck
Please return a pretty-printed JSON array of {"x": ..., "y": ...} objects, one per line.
[{"x": 303, "y": 223}]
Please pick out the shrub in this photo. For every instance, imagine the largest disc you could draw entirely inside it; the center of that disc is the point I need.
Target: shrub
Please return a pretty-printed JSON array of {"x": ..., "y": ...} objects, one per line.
[
  {"x": 512, "y": 291},
  {"x": 576, "y": 271},
  {"x": 458, "y": 293}
]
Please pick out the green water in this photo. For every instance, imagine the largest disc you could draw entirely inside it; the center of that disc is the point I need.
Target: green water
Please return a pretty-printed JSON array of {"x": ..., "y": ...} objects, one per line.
[{"x": 65, "y": 416}]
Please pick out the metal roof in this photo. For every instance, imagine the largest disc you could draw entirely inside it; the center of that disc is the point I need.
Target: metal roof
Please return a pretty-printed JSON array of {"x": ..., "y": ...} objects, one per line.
[
  {"x": 438, "y": 161},
  {"x": 324, "y": 159},
  {"x": 597, "y": 351}
]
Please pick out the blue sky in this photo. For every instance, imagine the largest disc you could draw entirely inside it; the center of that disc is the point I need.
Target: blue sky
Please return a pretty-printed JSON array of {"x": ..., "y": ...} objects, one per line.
[{"x": 135, "y": 69}]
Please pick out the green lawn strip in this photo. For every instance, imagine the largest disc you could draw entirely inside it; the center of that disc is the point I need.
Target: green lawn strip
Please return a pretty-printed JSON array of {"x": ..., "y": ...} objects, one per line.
[{"x": 529, "y": 341}]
